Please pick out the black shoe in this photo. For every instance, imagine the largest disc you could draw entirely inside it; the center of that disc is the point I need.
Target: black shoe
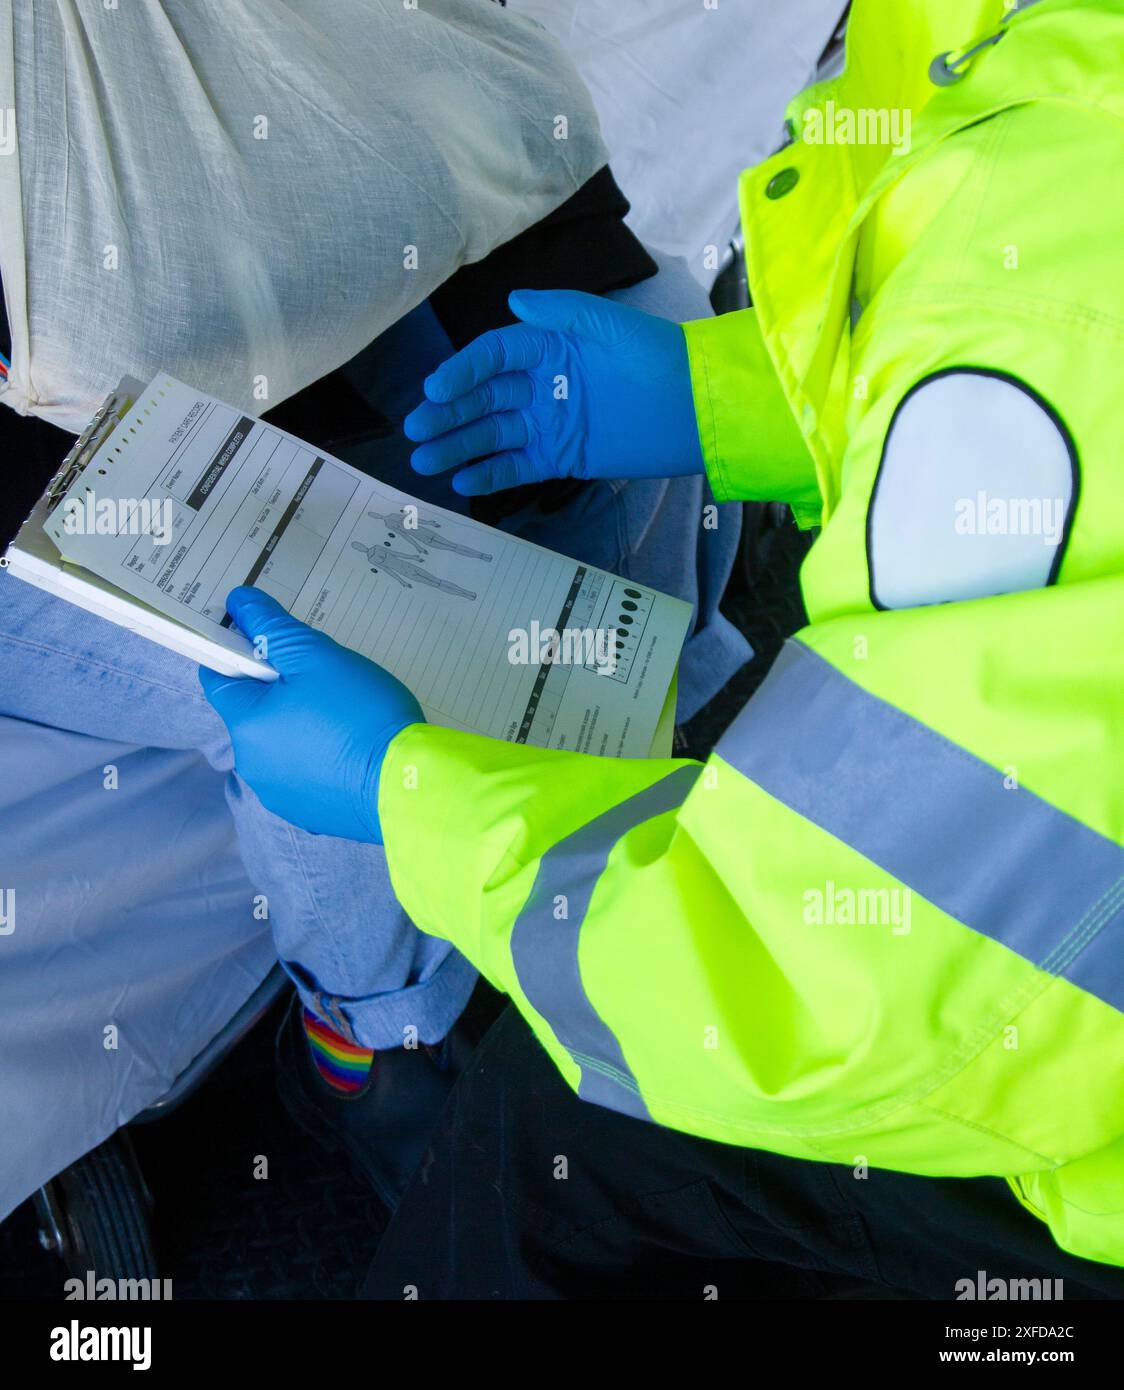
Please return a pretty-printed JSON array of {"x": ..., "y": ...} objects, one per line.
[{"x": 384, "y": 1129}]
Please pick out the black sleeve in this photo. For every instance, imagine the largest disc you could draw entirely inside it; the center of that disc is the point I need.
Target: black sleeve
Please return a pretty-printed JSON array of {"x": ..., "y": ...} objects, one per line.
[{"x": 30, "y": 453}]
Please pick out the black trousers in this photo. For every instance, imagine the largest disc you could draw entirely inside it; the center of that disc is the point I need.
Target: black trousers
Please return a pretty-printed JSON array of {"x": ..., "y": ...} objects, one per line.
[{"x": 529, "y": 1192}]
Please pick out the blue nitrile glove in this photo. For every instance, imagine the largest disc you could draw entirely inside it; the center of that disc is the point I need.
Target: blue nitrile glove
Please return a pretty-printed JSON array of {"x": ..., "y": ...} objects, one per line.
[
  {"x": 582, "y": 388},
  {"x": 311, "y": 743}
]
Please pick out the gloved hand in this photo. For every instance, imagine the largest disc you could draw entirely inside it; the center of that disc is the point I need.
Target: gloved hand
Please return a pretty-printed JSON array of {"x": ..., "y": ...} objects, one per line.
[
  {"x": 582, "y": 388},
  {"x": 311, "y": 743}
]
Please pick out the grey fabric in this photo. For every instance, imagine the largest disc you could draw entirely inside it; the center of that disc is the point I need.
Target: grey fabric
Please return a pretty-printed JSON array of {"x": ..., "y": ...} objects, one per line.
[
  {"x": 130, "y": 939},
  {"x": 689, "y": 95}
]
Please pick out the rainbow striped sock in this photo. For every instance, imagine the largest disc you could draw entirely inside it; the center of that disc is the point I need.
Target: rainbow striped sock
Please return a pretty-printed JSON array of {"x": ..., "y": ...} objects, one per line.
[{"x": 342, "y": 1064}]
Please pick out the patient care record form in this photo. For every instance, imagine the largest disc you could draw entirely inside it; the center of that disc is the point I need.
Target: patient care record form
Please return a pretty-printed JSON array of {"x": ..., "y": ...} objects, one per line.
[{"x": 490, "y": 632}]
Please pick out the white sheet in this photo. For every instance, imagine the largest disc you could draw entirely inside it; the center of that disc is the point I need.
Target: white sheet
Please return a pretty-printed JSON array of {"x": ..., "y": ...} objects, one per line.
[{"x": 229, "y": 189}]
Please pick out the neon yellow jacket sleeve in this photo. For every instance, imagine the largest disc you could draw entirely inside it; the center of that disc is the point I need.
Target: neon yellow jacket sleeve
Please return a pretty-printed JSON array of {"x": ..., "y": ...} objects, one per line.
[
  {"x": 690, "y": 943},
  {"x": 733, "y": 1019},
  {"x": 751, "y": 443},
  {"x": 682, "y": 892}
]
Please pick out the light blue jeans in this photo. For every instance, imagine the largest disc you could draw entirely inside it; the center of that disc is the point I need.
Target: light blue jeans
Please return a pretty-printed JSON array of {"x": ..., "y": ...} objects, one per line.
[{"x": 336, "y": 925}]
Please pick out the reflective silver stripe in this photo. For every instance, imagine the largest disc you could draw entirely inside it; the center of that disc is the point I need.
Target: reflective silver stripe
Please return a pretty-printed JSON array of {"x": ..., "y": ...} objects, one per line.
[
  {"x": 1003, "y": 862},
  {"x": 545, "y": 949}
]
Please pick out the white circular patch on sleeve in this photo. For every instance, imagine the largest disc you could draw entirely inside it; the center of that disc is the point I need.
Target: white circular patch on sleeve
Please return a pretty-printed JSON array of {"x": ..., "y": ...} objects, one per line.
[{"x": 973, "y": 495}]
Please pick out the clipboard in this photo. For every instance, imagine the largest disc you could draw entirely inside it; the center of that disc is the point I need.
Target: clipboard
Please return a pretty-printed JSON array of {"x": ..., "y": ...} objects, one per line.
[{"x": 34, "y": 557}]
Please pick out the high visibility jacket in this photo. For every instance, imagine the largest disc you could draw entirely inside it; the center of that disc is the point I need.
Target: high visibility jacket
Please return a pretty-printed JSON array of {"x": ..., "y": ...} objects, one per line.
[{"x": 884, "y": 923}]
